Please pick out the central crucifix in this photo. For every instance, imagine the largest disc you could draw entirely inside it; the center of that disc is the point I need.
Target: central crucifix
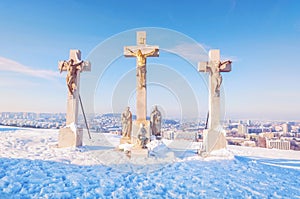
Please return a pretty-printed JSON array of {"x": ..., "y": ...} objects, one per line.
[{"x": 141, "y": 51}]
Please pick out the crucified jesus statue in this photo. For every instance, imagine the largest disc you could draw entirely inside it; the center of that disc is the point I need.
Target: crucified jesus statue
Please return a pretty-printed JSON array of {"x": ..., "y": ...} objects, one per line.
[{"x": 141, "y": 64}]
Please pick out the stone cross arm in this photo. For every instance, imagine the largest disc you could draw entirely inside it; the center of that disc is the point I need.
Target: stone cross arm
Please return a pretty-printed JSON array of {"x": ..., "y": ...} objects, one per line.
[
  {"x": 84, "y": 66},
  {"x": 75, "y": 55},
  {"x": 147, "y": 51},
  {"x": 214, "y": 61},
  {"x": 205, "y": 66}
]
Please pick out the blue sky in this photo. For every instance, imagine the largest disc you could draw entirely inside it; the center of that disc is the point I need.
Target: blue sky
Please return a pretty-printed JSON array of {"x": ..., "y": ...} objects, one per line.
[{"x": 261, "y": 37}]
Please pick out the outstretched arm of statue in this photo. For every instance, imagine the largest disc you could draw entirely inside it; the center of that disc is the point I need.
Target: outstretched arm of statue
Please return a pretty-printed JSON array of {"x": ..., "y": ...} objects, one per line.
[
  {"x": 151, "y": 53},
  {"x": 62, "y": 66},
  {"x": 225, "y": 62},
  {"x": 132, "y": 53},
  {"x": 78, "y": 64}
]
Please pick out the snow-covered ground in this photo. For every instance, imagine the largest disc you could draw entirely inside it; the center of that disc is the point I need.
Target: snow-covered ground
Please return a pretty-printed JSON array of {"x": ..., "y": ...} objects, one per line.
[{"x": 31, "y": 166}]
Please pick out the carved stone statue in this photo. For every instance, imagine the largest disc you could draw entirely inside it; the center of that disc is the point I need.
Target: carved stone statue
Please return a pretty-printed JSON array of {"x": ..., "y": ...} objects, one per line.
[
  {"x": 142, "y": 138},
  {"x": 126, "y": 120},
  {"x": 216, "y": 75},
  {"x": 141, "y": 64},
  {"x": 217, "y": 78},
  {"x": 72, "y": 69},
  {"x": 155, "y": 122}
]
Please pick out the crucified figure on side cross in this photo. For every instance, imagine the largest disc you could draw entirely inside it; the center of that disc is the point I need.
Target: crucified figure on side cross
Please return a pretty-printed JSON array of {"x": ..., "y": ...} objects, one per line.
[
  {"x": 71, "y": 78},
  {"x": 216, "y": 75}
]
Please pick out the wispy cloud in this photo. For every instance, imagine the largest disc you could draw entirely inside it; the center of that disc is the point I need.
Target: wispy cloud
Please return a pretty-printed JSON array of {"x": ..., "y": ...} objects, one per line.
[
  {"x": 191, "y": 51},
  {"x": 231, "y": 58},
  {"x": 8, "y": 82},
  {"x": 196, "y": 52},
  {"x": 13, "y": 66}
]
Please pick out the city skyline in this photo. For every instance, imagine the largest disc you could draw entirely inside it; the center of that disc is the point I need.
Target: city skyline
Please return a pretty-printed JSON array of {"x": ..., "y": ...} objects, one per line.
[{"x": 262, "y": 39}]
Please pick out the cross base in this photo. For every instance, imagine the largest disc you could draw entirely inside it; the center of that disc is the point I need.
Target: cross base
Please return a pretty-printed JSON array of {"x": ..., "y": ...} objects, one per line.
[
  {"x": 68, "y": 138},
  {"x": 72, "y": 108},
  {"x": 125, "y": 140},
  {"x": 138, "y": 153},
  {"x": 213, "y": 140}
]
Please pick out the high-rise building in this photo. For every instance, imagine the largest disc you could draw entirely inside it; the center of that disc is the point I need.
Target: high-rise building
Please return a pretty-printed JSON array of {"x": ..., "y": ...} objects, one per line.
[
  {"x": 242, "y": 129},
  {"x": 286, "y": 128},
  {"x": 249, "y": 123}
]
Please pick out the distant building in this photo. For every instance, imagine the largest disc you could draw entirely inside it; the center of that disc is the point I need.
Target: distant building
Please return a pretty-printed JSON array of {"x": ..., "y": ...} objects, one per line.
[
  {"x": 292, "y": 123},
  {"x": 256, "y": 130},
  {"x": 286, "y": 128},
  {"x": 249, "y": 123},
  {"x": 261, "y": 142},
  {"x": 278, "y": 144},
  {"x": 278, "y": 128},
  {"x": 249, "y": 143},
  {"x": 262, "y": 139},
  {"x": 242, "y": 129},
  {"x": 268, "y": 135}
]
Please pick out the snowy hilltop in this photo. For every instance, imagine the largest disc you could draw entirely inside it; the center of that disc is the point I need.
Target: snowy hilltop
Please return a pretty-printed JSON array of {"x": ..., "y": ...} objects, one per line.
[{"x": 31, "y": 166}]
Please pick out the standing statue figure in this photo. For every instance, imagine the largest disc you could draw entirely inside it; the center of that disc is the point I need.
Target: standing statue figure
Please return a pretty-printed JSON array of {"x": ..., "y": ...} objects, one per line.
[
  {"x": 155, "y": 122},
  {"x": 71, "y": 78},
  {"x": 217, "y": 77},
  {"x": 126, "y": 120},
  {"x": 142, "y": 138},
  {"x": 141, "y": 64}
]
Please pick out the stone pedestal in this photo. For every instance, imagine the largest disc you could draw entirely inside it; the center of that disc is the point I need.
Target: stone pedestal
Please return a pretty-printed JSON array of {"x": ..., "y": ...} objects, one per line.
[
  {"x": 68, "y": 138},
  {"x": 125, "y": 140},
  {"x": 72, "y": 106},
  {"x": 135, "y": 129},
  {"x": 213, "y": 140},
  {"x": 139, "y": 153}
]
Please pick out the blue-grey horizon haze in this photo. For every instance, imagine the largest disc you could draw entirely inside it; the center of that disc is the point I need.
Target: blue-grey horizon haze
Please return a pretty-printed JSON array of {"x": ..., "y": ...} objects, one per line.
[{"x": 262, "y": 38}]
